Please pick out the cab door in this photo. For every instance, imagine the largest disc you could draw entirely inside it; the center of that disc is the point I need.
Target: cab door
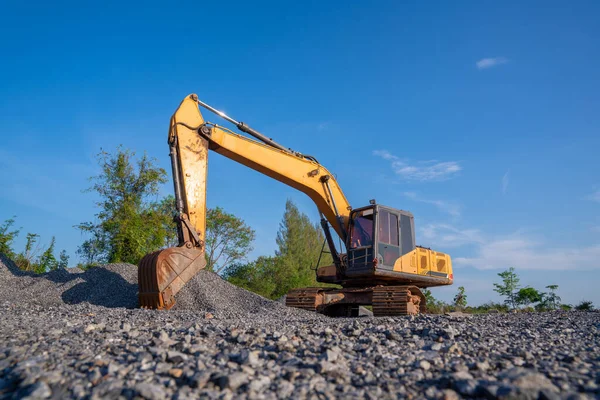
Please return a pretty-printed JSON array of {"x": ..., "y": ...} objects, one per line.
[{"x": 388, "y": 238}]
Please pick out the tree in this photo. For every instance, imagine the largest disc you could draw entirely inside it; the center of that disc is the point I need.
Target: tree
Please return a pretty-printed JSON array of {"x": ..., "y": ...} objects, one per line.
[
  {"x": 527, "y": 296},
  {"x": 128, "y": 225},
  {"x": 510, "y": 283},
  {"x": 460, "y": 300},
  {"x": 299, "y": 244},
  {"x": 550, "y": 301},
  {"x": 228, "y": 239},
  {"x": 166, "y": 212},
  {"x": 7, "y": 237},
  {"x": 585, "y": 306},
  {"x": 64, "y": 259},
  {"x": 256, "y": 276}
]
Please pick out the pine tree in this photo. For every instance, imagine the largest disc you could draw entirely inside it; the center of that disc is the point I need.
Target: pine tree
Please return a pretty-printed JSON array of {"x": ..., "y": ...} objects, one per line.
[{"x": 299, "y": 244}]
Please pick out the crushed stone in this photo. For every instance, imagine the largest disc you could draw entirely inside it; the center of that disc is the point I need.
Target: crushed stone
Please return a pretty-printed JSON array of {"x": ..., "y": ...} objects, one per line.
[
  {"x": 115, "y": 285},
  {"x": 75, "y": 334}
]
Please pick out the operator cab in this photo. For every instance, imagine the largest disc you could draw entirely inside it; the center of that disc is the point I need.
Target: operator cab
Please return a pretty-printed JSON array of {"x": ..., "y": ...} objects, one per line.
[{"x": 378, "y": 236}]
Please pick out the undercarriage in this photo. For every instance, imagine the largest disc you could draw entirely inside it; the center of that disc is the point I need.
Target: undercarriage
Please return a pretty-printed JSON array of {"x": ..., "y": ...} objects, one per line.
[{"x": 345, "y": 302}]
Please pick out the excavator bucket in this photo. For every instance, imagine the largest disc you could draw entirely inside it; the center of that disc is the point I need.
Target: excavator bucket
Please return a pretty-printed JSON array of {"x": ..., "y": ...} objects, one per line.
[{"x": 163, "y": 273}]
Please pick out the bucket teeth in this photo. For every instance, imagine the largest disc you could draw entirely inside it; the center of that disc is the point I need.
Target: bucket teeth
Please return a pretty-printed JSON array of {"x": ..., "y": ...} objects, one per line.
[{"x": 163, "y": 273}]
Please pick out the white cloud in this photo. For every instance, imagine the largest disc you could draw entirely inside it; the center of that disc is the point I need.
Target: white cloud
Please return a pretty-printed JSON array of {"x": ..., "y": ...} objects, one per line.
[
  {"x": 523, "y": 253},
  {"x": 386, "y": 155},
  {"x": 323, "y": 126},
  {"x": 505, "y": 182},
  {"x": 516, "y": 250},
  {"x": 594, "y": 196},
  {"x": 444, "y": 206},
  {"x": 444, "y": 235},
  {"x": 485, "y": 63},
  {"x": 423, "y": 170}
]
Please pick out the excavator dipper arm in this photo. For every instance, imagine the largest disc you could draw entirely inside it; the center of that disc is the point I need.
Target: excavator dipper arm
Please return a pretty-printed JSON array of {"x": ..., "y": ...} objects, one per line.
[{"x": 163, "y": 273}]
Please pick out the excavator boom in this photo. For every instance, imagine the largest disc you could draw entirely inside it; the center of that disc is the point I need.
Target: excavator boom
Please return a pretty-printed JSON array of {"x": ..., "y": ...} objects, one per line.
[{"x": 162, "y": 274}]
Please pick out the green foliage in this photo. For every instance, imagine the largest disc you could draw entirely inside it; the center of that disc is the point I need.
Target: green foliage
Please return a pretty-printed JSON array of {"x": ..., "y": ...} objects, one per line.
[
  {"x": 128, "y": 225},
  {"x": 31, "y": 260},
  {"x": 299, "y": 247},
  {"x": 549, "y": 301},
  {"x": 510, "y": 283},
  {"x": 228, "y": 239},
  {"x": 428, "y": 296},
  {"x": 585, "y": 306},
  {"x": 487, "y": 307},
  {"x": 566, "y": 307},
  {"x": 299, "y": 244},
  {"x": 435, "y": 306},
  {"x": 7, "y": 236},
  {"x": 84, "y": 267},
  {"x": 26, "y": 259},
  {"x": 47, "y": 261},
  {"x": 63, "y": 260},
  {"x": 166, "y": 212},
  {"x": 460, "y": 300},
  {"x": 528, "y": 295},
  {"x": 256, "y": 276},
  {"x": 552, "y": 300}
]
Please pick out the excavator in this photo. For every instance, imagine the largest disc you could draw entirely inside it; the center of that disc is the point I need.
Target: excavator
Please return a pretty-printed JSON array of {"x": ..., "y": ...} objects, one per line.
[{"x": 377, "y": 264}]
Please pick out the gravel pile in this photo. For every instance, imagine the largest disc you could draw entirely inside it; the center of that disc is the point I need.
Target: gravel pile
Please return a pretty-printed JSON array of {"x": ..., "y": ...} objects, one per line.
[
  {"x": 85, "y": 350},
  {"x": 207, "y": 291},
  {"x": 113, "y": 285}
]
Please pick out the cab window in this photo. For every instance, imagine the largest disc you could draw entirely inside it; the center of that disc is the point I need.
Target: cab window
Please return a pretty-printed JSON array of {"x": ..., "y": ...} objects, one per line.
[
  {"x": 361, "y": 230},
  {"x": 388, "y": 228}
]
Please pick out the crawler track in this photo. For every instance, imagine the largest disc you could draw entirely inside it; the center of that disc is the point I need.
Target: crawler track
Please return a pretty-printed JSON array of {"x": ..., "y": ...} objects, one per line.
[
  {"x": 386, "y": 300},
  {"x": 396, "y": 300},
  {"x": 304, "y": 298}
]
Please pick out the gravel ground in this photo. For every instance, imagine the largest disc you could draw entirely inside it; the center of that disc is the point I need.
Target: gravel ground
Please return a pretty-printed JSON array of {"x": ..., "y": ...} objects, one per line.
[{"x": 61, "y": 338}]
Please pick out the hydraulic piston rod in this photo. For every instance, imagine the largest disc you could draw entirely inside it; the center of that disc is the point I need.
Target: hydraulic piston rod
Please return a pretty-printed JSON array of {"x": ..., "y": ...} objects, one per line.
[{"x": 242, "y": 127}]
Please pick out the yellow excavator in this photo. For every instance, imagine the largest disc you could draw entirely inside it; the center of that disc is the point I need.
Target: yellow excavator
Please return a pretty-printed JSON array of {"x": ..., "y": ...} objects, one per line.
[{"x": 378, "y": 264}]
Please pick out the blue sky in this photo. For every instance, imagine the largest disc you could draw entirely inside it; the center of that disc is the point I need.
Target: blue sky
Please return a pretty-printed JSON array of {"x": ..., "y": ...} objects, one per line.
[{"x": 479, "y": 117}]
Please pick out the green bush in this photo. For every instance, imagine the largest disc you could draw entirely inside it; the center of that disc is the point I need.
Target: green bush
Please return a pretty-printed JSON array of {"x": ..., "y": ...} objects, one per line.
[
  {"x": 7, "y": 237},
  {"x": 487, "y": 307},
  {"x": 585, "y": 306}
]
